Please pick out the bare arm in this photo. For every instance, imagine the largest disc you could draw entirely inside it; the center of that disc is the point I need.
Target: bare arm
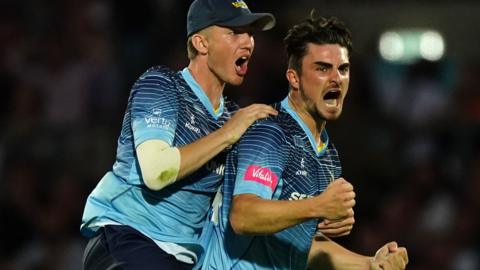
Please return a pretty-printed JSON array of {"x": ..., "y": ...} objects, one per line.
[
  {"x": 162, "y": 165},
  {"x": 251, "y": 214},
  {"x": 196, "y": 154},
  {"x": 326, "y": 254}
]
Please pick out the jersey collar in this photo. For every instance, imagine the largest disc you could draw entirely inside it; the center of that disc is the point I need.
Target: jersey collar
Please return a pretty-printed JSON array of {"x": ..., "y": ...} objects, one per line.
[
  {"x": 197, "y": 89},
  {"x": 311, "y": 138}
]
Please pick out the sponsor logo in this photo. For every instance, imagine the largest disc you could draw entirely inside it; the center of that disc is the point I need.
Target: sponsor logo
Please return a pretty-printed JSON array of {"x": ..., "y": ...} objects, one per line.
[
  {"x": 295, "y": 196},
  {"x": 301, "y": 173},
  {"x": 192, "y": 128},
  {"x": 261, "y": 175},
  {"x": 191, "y": 125},
  {"x": 156, "y": 121},
  {"x": 239, "y": 4}
]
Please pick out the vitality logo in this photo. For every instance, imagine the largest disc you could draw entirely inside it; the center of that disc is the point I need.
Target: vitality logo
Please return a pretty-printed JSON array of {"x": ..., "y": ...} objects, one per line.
[{"x": 261, "y": 175}]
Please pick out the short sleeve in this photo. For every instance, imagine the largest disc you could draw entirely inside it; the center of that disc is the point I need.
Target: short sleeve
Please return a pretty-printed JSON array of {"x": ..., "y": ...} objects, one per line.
[
  {"x": 154, "y": 107},
  {"x": 260, "y": 160}
]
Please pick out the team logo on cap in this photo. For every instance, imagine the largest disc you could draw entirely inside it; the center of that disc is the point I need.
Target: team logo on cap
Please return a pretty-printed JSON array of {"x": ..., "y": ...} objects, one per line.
[{"x": 239, "y": 4}]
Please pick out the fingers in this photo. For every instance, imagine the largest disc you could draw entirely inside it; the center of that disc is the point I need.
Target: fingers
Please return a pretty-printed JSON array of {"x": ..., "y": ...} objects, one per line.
[
  {"x": 395, "y": 261},
  {"x": 336, "y": 232},
  {"x": 382, "y": 252},
  {"x": 334, "y": 224},
  {"x": 342, "y": 181},
  {"x": 255, "y": 112},
  {"x": 350, "y": 211},
  {"x": 390, "y": 256},
  {"x": 392, "y": 246},
  {"x": 402, "y": 252},
  {"x": 336, "y": 228},
  {"x": 340, "y": 198},
  {"x": 344, "y": 186},
  {"x": 243, "y": 118},
  {"x": 375, "y": 266},
  {"x": 260, "y": 110}
]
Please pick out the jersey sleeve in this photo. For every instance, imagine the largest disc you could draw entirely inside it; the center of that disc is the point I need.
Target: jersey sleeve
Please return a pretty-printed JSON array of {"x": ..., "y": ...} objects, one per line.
[
  {"x": 154, "y": 107},
  {"x": 260, "y": 160}
]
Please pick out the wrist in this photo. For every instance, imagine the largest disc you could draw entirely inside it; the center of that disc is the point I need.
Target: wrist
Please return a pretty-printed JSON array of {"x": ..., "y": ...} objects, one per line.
[
  {"x": 224, "y": 136},
  {"x": 372, "y": 264},
  {"x": 314, "y": 211},
  {"x": 319, "y": 205}
]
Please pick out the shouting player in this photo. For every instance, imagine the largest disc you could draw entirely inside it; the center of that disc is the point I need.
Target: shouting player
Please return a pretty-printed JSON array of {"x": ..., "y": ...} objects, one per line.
[
  {"x": 148, "y": 211},
  {"x": 283, "y": 197}
]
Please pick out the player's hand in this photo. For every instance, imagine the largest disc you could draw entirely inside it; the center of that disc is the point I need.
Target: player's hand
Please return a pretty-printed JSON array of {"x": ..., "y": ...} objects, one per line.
[
  {"x": 337, "y": 201},
  {"x": 243, "y": 118},
  {"x": 336, "y": 228},
  {"x": 390, "y": 257}
]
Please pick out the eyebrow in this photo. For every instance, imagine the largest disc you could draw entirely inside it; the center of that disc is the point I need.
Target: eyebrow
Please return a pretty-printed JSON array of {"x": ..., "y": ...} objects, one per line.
[
  {"x": 321, "y": 63},
  {"x": 344, "y": 65}
]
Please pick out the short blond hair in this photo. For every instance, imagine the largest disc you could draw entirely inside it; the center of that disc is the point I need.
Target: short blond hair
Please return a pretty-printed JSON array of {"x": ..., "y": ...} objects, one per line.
[{"x": 191, "y": 50}]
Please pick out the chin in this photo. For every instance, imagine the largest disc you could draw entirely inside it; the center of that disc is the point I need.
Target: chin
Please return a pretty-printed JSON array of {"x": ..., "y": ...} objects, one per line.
[
  {"x": 331, "y": 116},
  {"x": 236, "y": 82},
  {"x": 334, "y": 117}
]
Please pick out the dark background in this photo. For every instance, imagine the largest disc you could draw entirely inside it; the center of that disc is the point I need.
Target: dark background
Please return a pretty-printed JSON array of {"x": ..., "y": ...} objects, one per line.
[{"x": 408, "y": 138}]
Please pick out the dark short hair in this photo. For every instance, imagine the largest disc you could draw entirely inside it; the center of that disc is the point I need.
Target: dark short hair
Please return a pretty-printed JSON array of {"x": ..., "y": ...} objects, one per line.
[{"x": 317, "y": 31}]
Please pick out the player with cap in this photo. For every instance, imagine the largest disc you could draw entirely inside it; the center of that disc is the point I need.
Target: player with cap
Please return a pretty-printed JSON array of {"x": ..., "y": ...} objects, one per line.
[{"x": 148, "y": 211}]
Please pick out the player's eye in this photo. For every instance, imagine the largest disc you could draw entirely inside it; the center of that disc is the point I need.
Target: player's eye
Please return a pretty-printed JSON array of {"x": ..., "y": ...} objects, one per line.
[
  {"x": 322, "y": 68},
  {"x": 344, "y": 69}
]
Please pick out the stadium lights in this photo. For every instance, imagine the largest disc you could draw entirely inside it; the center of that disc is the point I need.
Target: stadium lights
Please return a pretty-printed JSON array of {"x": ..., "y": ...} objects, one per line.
[{"x": 409, "y": 45}]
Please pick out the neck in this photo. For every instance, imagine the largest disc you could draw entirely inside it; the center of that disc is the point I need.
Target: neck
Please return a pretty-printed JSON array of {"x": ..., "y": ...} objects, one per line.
[
  {"x": 314, "y": 123},
  {"x": 208, "y": 81}
]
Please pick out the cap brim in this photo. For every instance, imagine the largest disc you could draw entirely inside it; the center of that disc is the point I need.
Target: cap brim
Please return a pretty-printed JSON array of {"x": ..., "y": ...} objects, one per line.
[{"x": 255, "y": 21}]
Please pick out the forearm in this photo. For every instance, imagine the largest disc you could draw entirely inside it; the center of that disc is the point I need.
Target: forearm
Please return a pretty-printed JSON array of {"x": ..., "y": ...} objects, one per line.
[
  {"x": 326, "y": 254},
  {"x": 162, "y": 164},
  {"x": 251, "y": 214},
  {"x": 196, "y": 154}
]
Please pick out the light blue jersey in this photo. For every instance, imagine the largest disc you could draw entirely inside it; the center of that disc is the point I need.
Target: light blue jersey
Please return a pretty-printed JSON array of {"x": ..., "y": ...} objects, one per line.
[
  {"x": 277, "y": 159},
  {"x": 168, "y": 106}
]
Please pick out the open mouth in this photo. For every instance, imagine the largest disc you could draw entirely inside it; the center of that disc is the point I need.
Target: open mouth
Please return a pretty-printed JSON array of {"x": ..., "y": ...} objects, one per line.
[
  {"x": 241, "y": 65},
  {"x": 332, "y": 97}
]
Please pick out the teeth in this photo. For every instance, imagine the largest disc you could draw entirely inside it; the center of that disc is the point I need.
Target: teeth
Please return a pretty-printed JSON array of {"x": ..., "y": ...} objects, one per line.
[
  {"x": 331, "y": 102},
  {"x": 242, "y": 60}
]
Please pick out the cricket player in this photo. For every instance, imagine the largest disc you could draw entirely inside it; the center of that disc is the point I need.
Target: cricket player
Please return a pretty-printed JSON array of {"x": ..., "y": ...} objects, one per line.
[
  {"x": 149, "y": 210},
  {"x": 283, "y": 194}
]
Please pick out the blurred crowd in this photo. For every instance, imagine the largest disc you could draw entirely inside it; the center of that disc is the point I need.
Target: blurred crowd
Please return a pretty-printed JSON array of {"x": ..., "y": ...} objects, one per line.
[{"x": 409, "y": 137}]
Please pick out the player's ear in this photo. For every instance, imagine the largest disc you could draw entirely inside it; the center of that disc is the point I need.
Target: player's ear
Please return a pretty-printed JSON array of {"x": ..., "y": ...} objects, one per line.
[
  {"x": 199, "y": 41},
  {"x": 293, "y": 78}
]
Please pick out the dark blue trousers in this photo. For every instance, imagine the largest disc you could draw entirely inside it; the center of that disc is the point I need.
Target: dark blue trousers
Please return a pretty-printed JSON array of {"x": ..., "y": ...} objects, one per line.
[{"x": 124, "y": 248}]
